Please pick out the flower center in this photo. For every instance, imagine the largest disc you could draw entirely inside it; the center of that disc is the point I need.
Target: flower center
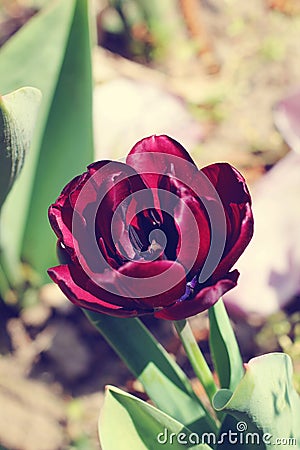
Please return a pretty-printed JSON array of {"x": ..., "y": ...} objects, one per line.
[{"x": 148, "y": 247}]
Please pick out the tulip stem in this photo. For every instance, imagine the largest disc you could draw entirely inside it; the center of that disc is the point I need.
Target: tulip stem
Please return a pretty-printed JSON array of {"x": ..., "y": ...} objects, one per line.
[{"x": 196, "y": 357}]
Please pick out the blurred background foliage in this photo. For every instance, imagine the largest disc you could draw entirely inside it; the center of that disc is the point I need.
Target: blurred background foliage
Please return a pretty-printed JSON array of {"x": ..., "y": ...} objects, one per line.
[{"x": 207, "y": 72}]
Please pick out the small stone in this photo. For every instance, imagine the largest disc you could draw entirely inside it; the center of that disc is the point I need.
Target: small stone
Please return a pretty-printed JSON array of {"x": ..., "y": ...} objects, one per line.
[
  {"x": 51, "y": 295},
  {"x": 36, "y": 315}
]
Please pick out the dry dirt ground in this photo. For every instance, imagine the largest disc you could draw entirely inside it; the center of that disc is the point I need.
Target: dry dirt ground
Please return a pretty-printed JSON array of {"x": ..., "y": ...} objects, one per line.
[{"x": 54, "y": 365}]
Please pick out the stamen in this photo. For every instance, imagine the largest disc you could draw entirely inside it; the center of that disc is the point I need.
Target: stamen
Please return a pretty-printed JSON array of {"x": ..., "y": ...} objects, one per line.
[
  {"x": 154, "y": 246},
  {"x": 135, "y": 239},
  {"x": 155, "y": 217}
]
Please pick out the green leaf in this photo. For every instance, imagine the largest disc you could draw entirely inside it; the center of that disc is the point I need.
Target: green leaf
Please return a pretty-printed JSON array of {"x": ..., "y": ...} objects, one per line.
[
  {"x": 131, "y": 424},
  {"x": 224, "y": 348},
  {"x": 163, "y": 380},
  {"x": 51, "y": 52},
  {"x": 32, "y": 57},
  {"x": 18, "y": 113},
  {"x": 266, "y": 402},
  {"x": 67, "y": 145}
]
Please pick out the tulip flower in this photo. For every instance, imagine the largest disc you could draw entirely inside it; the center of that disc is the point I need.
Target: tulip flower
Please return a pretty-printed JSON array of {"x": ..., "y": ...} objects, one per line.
[{"x": 154, "y": 235}]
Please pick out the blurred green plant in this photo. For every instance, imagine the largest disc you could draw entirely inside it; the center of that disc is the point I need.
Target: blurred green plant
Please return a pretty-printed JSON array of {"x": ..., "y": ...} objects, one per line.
[
  {"x": 76, "y": 431},
  {"x": 52, "y": 52},
  {"x": 273, "y": 49},
  {"x": 82, "y": 443},
  {"x": 138, "y": 29}
]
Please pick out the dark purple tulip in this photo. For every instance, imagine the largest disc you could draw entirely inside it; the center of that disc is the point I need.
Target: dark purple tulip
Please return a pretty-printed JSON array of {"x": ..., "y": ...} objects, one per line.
[{"x": 152, "y": 236}]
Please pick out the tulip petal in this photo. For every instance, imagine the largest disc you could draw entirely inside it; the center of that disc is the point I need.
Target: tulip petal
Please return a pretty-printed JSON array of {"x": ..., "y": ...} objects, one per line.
[
  {"x": 156, "y": 155},
  {"x": 203, "y": 300},
  {"x": 152, "y": 284},
  {"x": 236, "y": 201},
  {"x": 116, "y": 185},
  {"x": 66, "y": 279},
  {"x": 191, "y": 222},
  {"x": 77, "y": 215},
  {"x": 61, "y": 213},
  {"x": 65, "y": 211}
]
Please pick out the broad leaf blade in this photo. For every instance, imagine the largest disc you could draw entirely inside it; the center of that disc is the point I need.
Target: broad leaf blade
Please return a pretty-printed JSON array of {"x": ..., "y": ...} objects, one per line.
[
  {"x": 266, "y": 400},
  {"x": 67, "y": 145},
  {"x": 33, "y": 57},
  {"x": 18, "y": 113},
  {"x": 163, "y": 380},
  {"x": 131, "y": 424},
  {"x": 224, "y": 348}
]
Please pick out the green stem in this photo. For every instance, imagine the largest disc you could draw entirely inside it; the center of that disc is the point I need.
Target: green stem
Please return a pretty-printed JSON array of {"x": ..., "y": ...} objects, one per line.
[
  {"x": 4, "y": 285},
  {"x": 196, "y": 357}
]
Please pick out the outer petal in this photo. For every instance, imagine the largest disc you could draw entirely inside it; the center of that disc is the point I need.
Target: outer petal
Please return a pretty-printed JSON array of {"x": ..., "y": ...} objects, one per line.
[
  {"x": 66, "y": 210},
  {"x": 94, "y": 284},
  {"x": 206, "y": 298},
  {"x": 61, "y": 212},
  {"x": 156, "y": 155},
  {"x": 113, "y": 293},
  {"x": 236, "y": 201},
  {"x": 62, "y": 276},
  {"x": 151, "y": 285}
]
